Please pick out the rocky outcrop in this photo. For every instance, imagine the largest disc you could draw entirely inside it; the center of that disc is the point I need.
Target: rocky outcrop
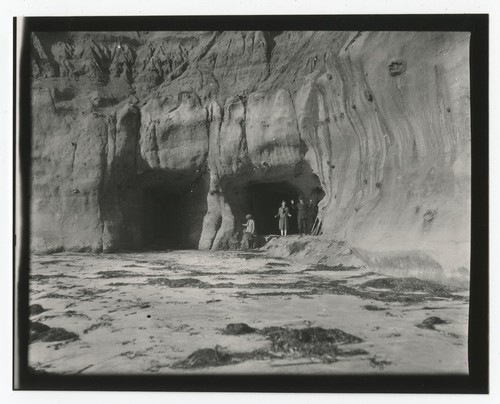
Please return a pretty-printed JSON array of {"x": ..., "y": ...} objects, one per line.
[{"x": 374, "y": 126}]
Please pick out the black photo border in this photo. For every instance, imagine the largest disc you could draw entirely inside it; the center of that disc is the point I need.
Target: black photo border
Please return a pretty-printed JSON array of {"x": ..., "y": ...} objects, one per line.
[{"x": 478, "y": 346}]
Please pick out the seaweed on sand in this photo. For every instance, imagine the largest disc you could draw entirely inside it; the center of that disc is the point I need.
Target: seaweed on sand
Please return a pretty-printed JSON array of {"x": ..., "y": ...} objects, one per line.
[
  {"x": 406, "y": 285},
  {"x": 238, "y": 329},
  {"x": 36, "y": 309},
  {"x": 371, "y": 307},
  {"x": 179, "y": 283},
  {"x": 312, "y": 341},
  {"x": 117, "y": 274},
  {"x": 430, "y": 322},
  {"x": 336, "y": 268},
  {"x": 315, "y": 342},
  {"x": 42, "y": 332},
  {"x": 205, "y": 357}
]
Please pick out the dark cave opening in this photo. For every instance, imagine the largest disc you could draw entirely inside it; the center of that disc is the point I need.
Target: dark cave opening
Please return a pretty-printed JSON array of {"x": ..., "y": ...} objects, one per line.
[
  {"x": 162, "y": 220},
  {"x": 173, "y": 210},
  {"x": 264, "y": 200}
]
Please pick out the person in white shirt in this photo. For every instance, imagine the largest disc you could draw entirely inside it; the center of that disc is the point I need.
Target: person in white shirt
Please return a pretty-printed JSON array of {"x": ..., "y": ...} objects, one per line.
[{"x": 249, "y": 233}]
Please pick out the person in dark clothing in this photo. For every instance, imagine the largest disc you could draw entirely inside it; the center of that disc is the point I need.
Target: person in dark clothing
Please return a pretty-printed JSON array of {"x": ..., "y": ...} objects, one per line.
[
  {"x": 283, "y": 214},
  {"x": 301, "y": 209},
  {"x": 312, "y": 212}
]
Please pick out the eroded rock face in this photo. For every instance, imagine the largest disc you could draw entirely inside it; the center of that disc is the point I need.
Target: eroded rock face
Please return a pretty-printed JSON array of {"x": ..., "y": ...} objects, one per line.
[{"x": 373, "y": 126}]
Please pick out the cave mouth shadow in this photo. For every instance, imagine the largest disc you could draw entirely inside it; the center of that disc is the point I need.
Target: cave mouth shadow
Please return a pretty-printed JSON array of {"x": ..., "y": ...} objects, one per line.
[
  {"x": 263, "y": 200},
  {"x": 162, "y": 221},
  {"x": 173, "y": 209}
]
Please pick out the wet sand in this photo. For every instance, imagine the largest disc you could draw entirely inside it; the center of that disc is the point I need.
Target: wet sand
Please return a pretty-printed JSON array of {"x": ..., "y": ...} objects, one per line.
[{"x": 167, "y": 312}]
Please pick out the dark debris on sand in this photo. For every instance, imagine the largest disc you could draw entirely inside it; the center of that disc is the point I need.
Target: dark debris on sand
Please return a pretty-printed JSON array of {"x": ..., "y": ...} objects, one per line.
[
  {"x": 73, "y": 313},
  {"x": 306, "y": 284},
  {"x": 41, "y": 277},
  {"x": 212, "y": 357},
  {"x": 54, "y": 295},
  {"x": 36, "y": 309},
  {"x": 121, "y": 284},
  {"x": 252, "y": 255},
  {"x": 277, "y": 264},
  {"x": 389, "y": 289},
  {"x": 363, "y": 275},
  {"x": 95, "y": 326},
  {"x": 91, "y": 292},
  {"x": 206, "y": 357},
  {"x": 37, "y": 328},
  {"x": 179, "y": 283},
  {"x": 196, "y": 283},
  {"x": 406, "y": 285},
  {"x": 400, "y": 290},
  {"x": 379, "y": 364},
  {"x": 371, "y": 307},
  {"x": 42, "y": 332},
  {"x": 301, "y": 294},
  {"x": 238, "y": 329},
  {"x": 351, "y": 352},
  {"x": 313, "y": 342},
  {"x": 50, "y": 262},
  {"x": 117, "y": 274},
  {"x": 430, "y": 322},
  {"x": 196, "y": 272},
  {"x": 266, "y": 272},
  {"x": 403, "y": 290},
  {"x": 336, "y": 268}
]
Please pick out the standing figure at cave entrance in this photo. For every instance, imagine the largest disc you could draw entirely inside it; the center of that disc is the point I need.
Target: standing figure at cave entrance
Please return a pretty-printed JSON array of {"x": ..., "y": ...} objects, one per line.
[
  {"x": 301, "y": 209},
  {"x": 312, "y": 212},
  {"x": 283, "y": 214},
  {"x": 248, "y": 233}
]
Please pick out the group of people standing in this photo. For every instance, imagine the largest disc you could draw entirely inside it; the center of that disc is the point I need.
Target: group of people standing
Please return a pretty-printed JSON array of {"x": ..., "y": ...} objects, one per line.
[{"x": 306, "y": 215}]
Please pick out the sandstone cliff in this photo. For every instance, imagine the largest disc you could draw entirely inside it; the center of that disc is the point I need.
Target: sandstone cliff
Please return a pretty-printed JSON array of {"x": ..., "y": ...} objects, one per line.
[{"x": 187, "y": 129}]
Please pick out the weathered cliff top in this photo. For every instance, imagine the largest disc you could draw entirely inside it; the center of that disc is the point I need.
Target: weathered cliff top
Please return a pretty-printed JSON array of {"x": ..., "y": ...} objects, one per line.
[{"x": 211, "y": 64}]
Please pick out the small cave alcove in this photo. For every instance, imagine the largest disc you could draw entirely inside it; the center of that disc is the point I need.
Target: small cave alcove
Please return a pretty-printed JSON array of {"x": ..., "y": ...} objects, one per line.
[
  {"x": 263, "y": 199},
  {"x": 162, "y": 225},
  {"x": 173, "y": 212}
]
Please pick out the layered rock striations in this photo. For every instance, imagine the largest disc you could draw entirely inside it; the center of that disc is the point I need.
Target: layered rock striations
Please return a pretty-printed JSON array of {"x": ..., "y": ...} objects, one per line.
[{"x": 374, "y": 126}]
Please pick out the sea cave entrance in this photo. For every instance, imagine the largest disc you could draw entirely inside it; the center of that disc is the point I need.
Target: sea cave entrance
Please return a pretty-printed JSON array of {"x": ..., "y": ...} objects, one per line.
[
  {"x": 263, "y": 198},
  {"x": 162, "y": 225},
  {"x": 173, "y": 212}
]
